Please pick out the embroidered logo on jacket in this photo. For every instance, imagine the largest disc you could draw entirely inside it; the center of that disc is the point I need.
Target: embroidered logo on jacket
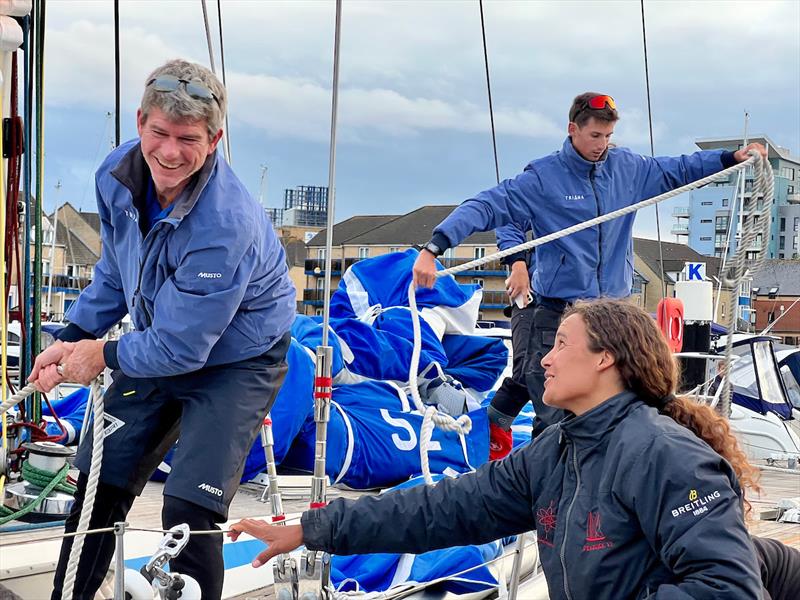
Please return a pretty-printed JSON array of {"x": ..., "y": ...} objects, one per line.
[
  {"x": 210, "y": 489},
  {"x": 697, "y": 505},
  {"x": 546, "y": 517},
  {"x": 595, "y": 538},
  {"x": 574, "y": 197},
  {"x": 205, "y": 275}
]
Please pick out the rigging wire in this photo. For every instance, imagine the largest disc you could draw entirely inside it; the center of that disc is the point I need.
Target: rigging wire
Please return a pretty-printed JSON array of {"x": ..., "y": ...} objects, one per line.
[
  {"x": 208, "y": 37},
  {"x": 489, "y": 92},
  {"x": 652, "y": 151},
  {"x": 26, "y": 350},
  {"x": 224, "y": 81},
  {"x": 116, "y": 75},
  {"x": 36, "y": 410}
]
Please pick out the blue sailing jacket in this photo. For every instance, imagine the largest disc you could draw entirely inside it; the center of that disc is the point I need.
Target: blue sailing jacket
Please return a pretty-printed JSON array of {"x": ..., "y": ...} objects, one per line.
[
  {"x": 563, "y": 189},
  {"x": 207, "y": 285},
  {"x": 626, "y": 503}
]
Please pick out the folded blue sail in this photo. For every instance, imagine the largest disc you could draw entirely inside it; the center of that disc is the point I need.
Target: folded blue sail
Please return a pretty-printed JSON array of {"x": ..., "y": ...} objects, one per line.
[
  {"x": 474, "y": 360},
  {"x": 373, "y": 441},
  {"x": 381, "y": 572},
  {"x": 382, "y": 282},
  {"x": 362, "y": 351}
]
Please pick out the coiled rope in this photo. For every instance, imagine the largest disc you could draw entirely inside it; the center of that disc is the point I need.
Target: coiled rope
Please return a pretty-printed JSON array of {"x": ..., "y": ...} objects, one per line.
[{"x": 463, "y": 424}]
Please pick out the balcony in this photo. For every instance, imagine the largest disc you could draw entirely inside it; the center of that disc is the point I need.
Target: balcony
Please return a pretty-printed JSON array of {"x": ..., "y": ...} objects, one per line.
[
  {"x": 494, "y": 299},
  {"x": 315, "y": 297},
  {"x": 63, "y": 282},
  {"x": 491, "y": 269},
  {"x": 316, "y": 266},
  {"x": 678, "y": 229},
  {"x": 793, "y": 198},
  {"x": 680, "y": 211}
]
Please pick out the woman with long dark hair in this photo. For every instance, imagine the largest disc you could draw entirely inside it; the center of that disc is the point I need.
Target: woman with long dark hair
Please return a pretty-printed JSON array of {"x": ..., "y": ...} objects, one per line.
[{"x": 636, "y": 494}]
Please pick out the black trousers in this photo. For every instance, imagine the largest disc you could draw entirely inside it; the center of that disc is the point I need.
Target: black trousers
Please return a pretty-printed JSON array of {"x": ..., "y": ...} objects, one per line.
[
  {"x": 534, "y": 330},
  {"x": 217, "y": 412}
]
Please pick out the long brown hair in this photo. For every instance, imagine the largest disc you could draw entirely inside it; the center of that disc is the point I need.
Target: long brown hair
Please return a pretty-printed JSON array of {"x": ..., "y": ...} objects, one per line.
[{"x": 648, "y": 369}]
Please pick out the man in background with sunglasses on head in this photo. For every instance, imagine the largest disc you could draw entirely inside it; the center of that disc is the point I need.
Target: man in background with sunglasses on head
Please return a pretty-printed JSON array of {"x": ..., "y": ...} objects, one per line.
[
  {"x": 195, "y": 261},
  {"x": 583, "y": 180}
]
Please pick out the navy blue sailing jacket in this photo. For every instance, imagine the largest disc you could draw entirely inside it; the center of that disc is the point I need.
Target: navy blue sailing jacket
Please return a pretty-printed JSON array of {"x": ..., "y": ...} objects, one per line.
[{"x": 626, "y": 503}]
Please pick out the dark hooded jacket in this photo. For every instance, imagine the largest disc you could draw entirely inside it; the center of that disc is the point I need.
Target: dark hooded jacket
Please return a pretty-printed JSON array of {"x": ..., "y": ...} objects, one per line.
[{"x": 626, "y": 504}]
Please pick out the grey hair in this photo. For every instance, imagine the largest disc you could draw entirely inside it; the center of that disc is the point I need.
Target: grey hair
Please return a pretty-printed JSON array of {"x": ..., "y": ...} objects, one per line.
[{"x": 181, "y": 106}]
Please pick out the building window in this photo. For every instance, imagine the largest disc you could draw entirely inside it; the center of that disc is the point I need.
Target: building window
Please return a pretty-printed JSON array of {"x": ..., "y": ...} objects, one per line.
[
  {"x": 724, "y": 202},
  {"x": 478, "y": 282},
  {"x": 721, "y": 223},
  {"x": 783, "y": 223},
  {"x": 394, "y": 249},
  {"x": 479, "y": 252},
  {"x": 719, "y": 240},
  {"x": 705, "y": 239},
  {"x": 363, "y": 252},
  {"x": 790, "y": 189},
  {"x": 319, "y": 311},
  {"x": 320, "y": 253},
  {"x": 706, "y": 204},
  {"x": 796, "y": 223},
  {"x": 703, "y": 221},
  {"x": 781, "y": 243},
  {"x": 780, "y": 255}
]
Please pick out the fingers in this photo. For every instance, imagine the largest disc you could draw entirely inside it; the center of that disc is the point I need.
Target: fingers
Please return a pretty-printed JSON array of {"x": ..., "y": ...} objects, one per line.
[
  {"x": 264, "y": 557},
  {"x": 48, "y": 378}
]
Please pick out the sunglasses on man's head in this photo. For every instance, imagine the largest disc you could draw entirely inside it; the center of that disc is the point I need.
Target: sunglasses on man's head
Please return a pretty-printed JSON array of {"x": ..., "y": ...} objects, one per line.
[
  {"x": 600, "y": 102},
  {"x": 196, "y": 89}
]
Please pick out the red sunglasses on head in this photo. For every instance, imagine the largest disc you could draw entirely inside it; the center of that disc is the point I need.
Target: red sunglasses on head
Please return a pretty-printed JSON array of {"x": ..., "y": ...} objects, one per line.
[{"x": 600, "y": 102}]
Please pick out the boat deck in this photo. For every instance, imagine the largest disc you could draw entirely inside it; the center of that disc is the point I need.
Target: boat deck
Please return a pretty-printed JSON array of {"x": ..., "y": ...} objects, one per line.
[{"x": 146, "y": 513}]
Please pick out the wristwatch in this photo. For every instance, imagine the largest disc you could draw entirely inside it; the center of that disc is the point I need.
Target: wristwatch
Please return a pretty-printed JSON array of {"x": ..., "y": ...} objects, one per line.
[{"x": 432, "y": 248}]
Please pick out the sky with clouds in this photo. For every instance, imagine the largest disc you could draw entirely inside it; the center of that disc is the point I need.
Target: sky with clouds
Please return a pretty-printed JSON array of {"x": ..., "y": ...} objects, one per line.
[{"x": 413, "y": 113}]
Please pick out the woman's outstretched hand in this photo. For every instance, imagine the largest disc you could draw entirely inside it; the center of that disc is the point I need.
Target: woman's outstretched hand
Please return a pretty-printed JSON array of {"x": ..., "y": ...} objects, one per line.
[{"x": 279, "y": 538}]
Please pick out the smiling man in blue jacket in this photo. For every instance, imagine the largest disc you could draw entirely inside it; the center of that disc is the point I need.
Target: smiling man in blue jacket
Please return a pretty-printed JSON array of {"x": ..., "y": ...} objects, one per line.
[
  {"x": 583, "y": 180},
  {"x": 195, "y": 261}
]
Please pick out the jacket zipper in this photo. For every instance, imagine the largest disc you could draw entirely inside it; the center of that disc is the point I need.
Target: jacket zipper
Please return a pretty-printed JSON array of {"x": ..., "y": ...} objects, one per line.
[
  {"x": 599, "y": 231},
  {"x": 566, "y": 522},
  {"x": 137, "y": 295}
]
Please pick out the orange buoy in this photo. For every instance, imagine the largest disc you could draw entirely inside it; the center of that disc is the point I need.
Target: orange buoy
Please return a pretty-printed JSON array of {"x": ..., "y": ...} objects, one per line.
[{"x": 670, "y": 321}]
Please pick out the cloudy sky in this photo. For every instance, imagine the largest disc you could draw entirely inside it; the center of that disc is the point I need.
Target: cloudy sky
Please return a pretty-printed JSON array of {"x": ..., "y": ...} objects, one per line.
[{"x": 413, "y": 121}]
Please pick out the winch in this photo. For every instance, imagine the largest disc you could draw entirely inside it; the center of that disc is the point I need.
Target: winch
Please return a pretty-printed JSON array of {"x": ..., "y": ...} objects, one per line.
[{"x": 46, "y": 461}]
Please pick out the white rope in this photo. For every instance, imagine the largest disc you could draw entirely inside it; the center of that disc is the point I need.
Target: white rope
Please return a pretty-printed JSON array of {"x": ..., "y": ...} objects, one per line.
[
  {"x": 463, "y": 424},
  {"x": 432, "y": 417},
  {"x": 597, "y": 220},
  {"x": 91, "y": 489},
  {"x": 17, "y": 398}
]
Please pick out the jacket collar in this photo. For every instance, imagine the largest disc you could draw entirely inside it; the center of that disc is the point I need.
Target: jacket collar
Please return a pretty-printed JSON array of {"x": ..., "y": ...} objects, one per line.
[
  {"x": 576, "y": 162},
  {"x": 590, "y": 428},
  {"x": 133, "y": 172}
]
